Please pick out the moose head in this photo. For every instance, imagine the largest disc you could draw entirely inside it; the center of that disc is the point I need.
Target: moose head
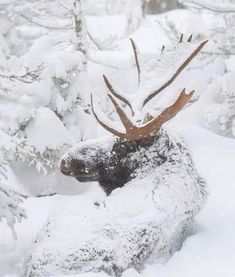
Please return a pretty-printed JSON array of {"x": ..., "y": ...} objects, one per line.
[{"x": 115, "y": 161}]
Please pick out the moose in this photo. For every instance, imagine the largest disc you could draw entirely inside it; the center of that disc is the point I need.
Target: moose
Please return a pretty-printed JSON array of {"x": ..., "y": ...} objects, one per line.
[
  {"x": 153, "y": 191},
  {"x": 116, "y": 167}
]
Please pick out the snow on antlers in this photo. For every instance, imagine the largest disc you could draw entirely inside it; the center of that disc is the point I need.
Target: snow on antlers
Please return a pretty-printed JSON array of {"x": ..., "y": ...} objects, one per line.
[{"x": 132, "y": 130}]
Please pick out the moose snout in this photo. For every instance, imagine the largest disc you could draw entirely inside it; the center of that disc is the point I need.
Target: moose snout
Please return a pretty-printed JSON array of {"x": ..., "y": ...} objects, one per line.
[{"x": 66, "y": 167}]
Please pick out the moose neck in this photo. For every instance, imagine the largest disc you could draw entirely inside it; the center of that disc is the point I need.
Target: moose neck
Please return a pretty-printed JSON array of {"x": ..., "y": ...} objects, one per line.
[
  {"x": 109, "y": 182},
  {"x": 121, "y": 168}
]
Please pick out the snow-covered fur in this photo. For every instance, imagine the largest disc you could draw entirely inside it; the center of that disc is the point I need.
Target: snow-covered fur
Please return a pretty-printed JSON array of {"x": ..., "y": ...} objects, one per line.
[{"x": 148, "y": 218}]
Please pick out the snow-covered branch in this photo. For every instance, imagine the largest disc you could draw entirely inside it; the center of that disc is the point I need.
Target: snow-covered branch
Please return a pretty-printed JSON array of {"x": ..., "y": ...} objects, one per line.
[
  {"x": 28, "y": 77},
  {"x": 10, "y": 209}
]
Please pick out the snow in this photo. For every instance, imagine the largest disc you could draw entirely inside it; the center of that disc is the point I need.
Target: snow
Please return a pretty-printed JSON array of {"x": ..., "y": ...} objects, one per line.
[
  {"x": 55, "y": 135},
  {"x": 214, "y": 6},
  {"x": 207, "y": 252},
  {"x": 210, "y": 251}
]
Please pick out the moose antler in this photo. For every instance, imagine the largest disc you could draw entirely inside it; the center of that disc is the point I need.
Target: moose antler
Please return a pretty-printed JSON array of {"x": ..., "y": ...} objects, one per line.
[{"x": 133, "y": 131}]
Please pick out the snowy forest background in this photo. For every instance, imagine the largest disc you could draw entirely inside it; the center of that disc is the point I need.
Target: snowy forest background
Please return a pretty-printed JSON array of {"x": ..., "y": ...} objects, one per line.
[{"x": 53, "y": 55}]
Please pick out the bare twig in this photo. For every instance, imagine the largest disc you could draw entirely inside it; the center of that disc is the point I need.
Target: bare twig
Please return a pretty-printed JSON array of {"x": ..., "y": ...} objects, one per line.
[
  {"x": 136, "y": 58},
  {"x": 29, "y": 77},
  {"x": 30, "y": 20},
  {"x": 211, "y": 8}
]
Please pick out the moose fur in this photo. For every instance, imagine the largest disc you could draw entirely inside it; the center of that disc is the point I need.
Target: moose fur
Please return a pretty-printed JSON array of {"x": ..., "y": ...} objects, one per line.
[{"x": 149, "y": 217}]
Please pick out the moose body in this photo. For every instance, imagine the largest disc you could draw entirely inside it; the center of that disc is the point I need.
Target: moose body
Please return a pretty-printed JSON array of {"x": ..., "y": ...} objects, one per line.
[
  {"x": 149, "y": 217},
  {"x": 154, "y": 191}
]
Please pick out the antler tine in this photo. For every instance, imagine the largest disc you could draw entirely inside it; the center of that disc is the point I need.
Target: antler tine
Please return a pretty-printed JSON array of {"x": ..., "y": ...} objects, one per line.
[
  {"x": 112, "y": 91},
  {"x": 167, "y": 114},
  {"x": 104, "y": 125},
  {"x": 190, "y": 38},
  {"x": 136, "y": 58},
  {"x": 175, "y": 75},
  {"x": 124, "y": 119},
  {"x": 181, "y": 38}
]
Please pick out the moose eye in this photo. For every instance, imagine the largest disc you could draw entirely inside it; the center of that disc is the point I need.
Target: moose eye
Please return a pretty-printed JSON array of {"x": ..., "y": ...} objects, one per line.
[{"x": 83, "y": 169}]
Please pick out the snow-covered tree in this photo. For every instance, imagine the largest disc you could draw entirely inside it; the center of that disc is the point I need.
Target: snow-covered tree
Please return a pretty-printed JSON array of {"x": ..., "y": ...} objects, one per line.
[
  {"x": 9, "y": 207},
  {"x": 45, "y": 92},
  {"x": 11, "y": 149},
  {"x": 8, "y": 36},
  {"x": 134, "y": 11},
  {"x": 220, "y": 113},
  {"x": 219, "y": 18}
]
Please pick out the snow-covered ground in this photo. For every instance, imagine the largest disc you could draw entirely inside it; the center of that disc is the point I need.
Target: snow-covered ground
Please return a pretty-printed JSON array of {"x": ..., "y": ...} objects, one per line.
[{"x": 209, "y": 252}]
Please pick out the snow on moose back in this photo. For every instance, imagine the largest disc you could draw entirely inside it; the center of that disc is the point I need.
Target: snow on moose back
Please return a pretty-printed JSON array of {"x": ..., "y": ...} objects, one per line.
[{"x": 154, "y": 191}]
